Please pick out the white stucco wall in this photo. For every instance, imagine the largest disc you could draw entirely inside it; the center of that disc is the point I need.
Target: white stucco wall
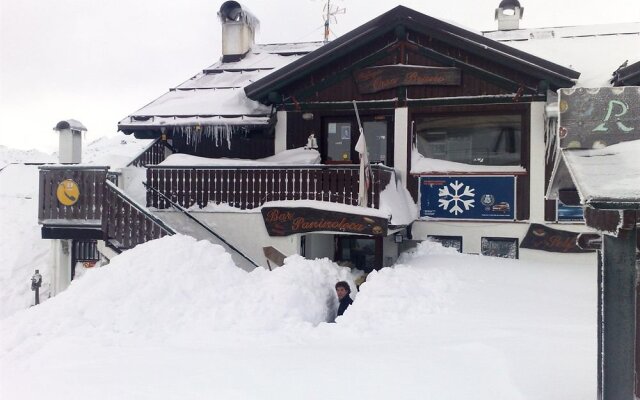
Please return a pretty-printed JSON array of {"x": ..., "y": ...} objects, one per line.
[
  {"x": 401, "y": 140},
  {"x": 473, "y": 232},
  {"x": 246, "y": 231},
  {"x": 281, "y": 132},
  {"x": 60, "y": 265},
  {"x": 537, "y": 163},
  {"x": 70, "y": 146}
]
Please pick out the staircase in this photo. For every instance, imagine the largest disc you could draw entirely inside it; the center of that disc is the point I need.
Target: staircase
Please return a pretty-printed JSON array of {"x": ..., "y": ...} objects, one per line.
[{"x": 105, "y": 212}]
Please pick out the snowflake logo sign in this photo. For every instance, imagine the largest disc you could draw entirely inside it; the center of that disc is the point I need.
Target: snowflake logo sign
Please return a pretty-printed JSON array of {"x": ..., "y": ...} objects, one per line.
[{"x": 453, "y": 201}]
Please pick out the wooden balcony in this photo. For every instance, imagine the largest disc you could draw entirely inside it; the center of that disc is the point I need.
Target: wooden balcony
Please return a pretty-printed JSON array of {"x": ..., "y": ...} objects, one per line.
[
  {"x": 87, "y": 209},
  {"x": 247, "y": 187},
  {"x": 94, "y": 208}
]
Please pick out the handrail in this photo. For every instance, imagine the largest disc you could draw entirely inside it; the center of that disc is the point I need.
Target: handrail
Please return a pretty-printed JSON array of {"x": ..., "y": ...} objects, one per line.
[
  {"x": 138, "y": 160},
  {"x": 140, "y": 208},
  {"x": 184, "y": 211},
  {"x": 141, "y": 153}
]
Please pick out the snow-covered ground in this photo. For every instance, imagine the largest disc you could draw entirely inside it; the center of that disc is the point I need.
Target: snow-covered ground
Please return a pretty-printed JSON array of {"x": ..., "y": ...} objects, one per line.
[{"x": 174, "y": 318}]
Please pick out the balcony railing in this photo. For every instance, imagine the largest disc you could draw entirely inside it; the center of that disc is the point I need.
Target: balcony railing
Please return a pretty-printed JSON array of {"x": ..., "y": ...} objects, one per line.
[
  {"x": 154, "y": 154},
  {"x": 247, "y": 187},
  {"x": 95, "y": 201},
  {"x": 128, "y": 224},
  {"x": 90, "y": 182}
]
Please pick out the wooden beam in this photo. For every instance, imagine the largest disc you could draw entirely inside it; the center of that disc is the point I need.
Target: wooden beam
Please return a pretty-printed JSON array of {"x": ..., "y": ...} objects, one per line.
[
  {"x": 610, "y": 222},
  {"x": 616, "y": 371}
]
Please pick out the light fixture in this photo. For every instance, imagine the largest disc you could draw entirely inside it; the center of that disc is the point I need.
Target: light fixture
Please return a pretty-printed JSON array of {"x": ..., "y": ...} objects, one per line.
[{"x": 307, "y": 116}]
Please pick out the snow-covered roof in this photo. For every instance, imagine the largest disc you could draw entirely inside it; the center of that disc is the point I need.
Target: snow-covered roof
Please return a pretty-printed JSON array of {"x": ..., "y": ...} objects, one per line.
[
  {"x": 607, "y": 175},
  {"x": 596, "y": 51},
  {"x": 215, "y": 96}
]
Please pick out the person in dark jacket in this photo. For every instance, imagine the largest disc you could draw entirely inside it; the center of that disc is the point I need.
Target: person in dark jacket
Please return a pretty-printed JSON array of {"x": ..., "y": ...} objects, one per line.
[{"x": 343, "y": 290}]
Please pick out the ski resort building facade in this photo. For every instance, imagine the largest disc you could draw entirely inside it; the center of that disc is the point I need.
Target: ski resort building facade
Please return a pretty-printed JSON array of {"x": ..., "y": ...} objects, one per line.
[{"x": 260, "y": 152}]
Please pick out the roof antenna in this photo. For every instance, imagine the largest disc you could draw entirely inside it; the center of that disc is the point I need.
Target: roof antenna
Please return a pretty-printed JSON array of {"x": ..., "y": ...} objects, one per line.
[{"x": 330, "y": 15}]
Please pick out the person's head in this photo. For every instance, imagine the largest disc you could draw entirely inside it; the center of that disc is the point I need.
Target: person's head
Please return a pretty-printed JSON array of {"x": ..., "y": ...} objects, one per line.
[{"x": 342, "y": 289}]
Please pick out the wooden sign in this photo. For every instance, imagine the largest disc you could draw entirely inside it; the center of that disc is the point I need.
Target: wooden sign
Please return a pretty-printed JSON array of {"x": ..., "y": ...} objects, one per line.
[
  {"x": 541, "y": 237},
  {"x": 285, "y": 221},
  {"x": 590, "y": 241},
  {"x": 595, "y": 118},
  {"x": 376, "y": 79}
]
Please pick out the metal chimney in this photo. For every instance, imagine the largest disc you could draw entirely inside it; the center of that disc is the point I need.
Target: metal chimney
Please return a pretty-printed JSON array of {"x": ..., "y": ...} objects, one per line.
[
  {"x": 508, "y": 14},
  {"x": 70, "y": 142},
  {"x": 238, "y": 30}
]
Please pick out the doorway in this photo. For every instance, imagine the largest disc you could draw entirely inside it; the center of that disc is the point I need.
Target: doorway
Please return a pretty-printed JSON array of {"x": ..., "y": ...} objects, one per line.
[{"x": 340, "y": 135}]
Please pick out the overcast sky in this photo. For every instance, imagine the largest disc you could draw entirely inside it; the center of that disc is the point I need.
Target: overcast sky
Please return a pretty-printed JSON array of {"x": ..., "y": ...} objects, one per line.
[{"x": 98, "y": 61}]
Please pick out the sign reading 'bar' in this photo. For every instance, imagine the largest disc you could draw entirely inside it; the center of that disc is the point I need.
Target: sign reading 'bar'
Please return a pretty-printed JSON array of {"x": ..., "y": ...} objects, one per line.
[{"x": 285, "y": 221}]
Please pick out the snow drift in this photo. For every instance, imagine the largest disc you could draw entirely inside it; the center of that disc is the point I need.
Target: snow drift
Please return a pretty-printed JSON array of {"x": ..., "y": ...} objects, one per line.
[{"x": 174, "y": 318}]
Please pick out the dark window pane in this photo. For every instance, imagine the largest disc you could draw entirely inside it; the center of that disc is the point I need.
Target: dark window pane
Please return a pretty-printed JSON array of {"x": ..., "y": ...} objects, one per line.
[
  {"x": 499, "y": 247},
  {"x": 376, "y": 134},
  {"x": 339, "y": 141},
  {"x": 477, "y": 140}
]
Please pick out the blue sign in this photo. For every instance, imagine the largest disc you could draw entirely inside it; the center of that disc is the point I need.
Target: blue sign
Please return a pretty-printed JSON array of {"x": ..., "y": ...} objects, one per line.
[
  {"x": 569, "y": 213},
  {"x": 467, "y": 197}
]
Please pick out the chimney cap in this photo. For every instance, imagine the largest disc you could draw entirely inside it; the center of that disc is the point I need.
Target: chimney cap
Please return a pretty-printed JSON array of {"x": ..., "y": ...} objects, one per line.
[
  {"x": 72, "y": 124},
  {"x": 509, "y": 4},
  {"x": 234, "y": 11}
]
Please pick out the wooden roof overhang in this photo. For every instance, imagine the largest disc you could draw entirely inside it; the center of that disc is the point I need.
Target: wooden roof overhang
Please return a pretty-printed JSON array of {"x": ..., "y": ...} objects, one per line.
[
  {"x": 627, "y": 76},
  {"x": 540, "y": 74}
]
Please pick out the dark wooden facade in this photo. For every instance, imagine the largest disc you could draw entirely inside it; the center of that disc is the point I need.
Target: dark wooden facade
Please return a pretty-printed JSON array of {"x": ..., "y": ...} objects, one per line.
[
  {"x": 336, "y": 82},
  {"x": 245, "y": 142}
]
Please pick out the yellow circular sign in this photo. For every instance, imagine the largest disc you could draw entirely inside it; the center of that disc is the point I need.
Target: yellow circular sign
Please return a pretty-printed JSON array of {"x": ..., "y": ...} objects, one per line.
[{"x": 68, "y": 192}]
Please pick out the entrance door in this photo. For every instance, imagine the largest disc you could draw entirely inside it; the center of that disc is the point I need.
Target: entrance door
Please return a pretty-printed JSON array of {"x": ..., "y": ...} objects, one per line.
[
  {"x": 360, "y": 252},
  {"x": 341, "y": 135}
]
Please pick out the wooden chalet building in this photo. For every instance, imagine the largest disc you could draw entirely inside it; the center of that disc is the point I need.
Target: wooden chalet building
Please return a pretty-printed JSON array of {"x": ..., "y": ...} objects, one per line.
[{"x": 459, "y": 128}]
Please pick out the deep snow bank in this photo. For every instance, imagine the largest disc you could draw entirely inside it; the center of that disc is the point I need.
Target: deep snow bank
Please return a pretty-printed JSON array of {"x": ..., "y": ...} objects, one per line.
[
  {"x": 177, "y": 286},
  {"x": 21, "y": 249},
  {"x": 174, "y": 319}
]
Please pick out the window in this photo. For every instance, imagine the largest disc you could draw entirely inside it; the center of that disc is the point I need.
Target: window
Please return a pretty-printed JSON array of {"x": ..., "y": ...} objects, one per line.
[
  {"x": 340, "y": 135},
  {"x": 376, "y": 134},
  {"x": 339, "y": 141},
  {"x": 448, "y": 241},
  {"x": 499, "y": 247},
  {"x": 471, "y": 139},
  {"x": 566, "y": 213}
]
